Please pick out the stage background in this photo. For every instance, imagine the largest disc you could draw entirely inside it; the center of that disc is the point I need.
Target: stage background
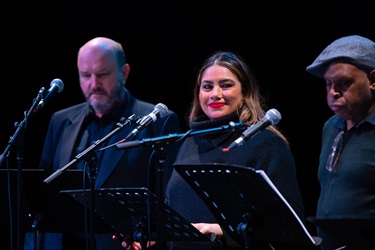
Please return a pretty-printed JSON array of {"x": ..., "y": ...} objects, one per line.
[{"x": 165, "y": 43}]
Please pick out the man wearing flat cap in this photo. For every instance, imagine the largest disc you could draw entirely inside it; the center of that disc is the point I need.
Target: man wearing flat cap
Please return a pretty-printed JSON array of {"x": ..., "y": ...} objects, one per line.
[{"x": 346, "y": 206}]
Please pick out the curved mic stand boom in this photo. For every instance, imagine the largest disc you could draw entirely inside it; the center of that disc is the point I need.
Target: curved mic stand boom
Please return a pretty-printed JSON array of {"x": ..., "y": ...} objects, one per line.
[{"x": 91, "y": 158}]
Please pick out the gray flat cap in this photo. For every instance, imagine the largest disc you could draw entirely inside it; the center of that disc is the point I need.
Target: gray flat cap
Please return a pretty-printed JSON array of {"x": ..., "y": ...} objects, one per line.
[{"x": 356, "y": 50}]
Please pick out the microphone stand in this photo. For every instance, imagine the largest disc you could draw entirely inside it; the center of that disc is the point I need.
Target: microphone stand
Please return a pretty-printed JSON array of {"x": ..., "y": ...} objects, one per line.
[
  {"x": 175, "y": 137},
  {"x": 160, "y": 154},
  {"x": 18, "y": 139},
  {"x": 157, "y": 143},
  {"x": 92, "y": 161},
  {"x": 91, "y": 158},
  {"x": 90, "y": 149}
]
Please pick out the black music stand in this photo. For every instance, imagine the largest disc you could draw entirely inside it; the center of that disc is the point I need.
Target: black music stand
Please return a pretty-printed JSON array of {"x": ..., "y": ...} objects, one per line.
[
  {"x": 354, "y": 233},
  {"x": 43, "y": 207},
  {"x": 127, "y": 211},
  {"x": 246, "y": 204}
]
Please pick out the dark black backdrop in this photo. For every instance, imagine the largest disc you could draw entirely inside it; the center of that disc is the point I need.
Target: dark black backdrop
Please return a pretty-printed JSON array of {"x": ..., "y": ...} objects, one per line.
[{"x": 165, "y": 43}]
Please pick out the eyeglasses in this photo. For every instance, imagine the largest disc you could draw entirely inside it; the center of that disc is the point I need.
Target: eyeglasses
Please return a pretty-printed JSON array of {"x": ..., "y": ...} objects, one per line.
[{"x": 335, "y": 154}]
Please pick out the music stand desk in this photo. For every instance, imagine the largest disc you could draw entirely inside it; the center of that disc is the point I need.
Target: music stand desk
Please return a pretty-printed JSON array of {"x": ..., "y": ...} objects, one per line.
[
  {"x": 127, "y": 210},
  {"x": 239, "y": 196},
  {"x": 355, "y": 233}
]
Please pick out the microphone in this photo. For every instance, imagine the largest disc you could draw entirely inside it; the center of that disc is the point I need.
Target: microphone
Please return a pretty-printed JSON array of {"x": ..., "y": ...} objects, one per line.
[
  {"x": 56, "y": 86},
  {"x": 272, "y": 116},
  {"x": 160, "y": 110}
]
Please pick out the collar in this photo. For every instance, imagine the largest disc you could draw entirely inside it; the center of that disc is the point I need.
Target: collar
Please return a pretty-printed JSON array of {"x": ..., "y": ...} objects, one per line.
[
  {"x": 341, "y": 123},
  {"x": 209, "y": 141}
]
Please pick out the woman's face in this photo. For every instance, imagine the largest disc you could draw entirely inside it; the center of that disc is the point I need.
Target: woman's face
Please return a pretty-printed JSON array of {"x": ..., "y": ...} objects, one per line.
[{"x": 220, "y": 92}]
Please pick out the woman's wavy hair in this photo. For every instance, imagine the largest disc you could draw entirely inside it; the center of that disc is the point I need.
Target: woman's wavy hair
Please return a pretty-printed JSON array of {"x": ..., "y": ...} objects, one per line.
[{"x": 252, "y": 109}]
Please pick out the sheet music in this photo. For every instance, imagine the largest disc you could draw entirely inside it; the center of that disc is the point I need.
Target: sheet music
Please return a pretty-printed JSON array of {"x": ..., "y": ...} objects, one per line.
[{"x": 268, "y": 180}]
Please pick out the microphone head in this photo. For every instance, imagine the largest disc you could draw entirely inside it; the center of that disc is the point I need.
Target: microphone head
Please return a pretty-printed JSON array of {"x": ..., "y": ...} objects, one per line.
[
  {"x": 273, "y": 116},
  {"x": 162, "y": 108},
  {"x": 58, "y": 83}
]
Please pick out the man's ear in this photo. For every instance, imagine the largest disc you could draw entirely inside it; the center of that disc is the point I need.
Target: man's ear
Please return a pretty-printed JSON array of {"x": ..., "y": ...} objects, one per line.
[
  {"x": 125, "y": 72},
  {"x": 371, "y": 76}
]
